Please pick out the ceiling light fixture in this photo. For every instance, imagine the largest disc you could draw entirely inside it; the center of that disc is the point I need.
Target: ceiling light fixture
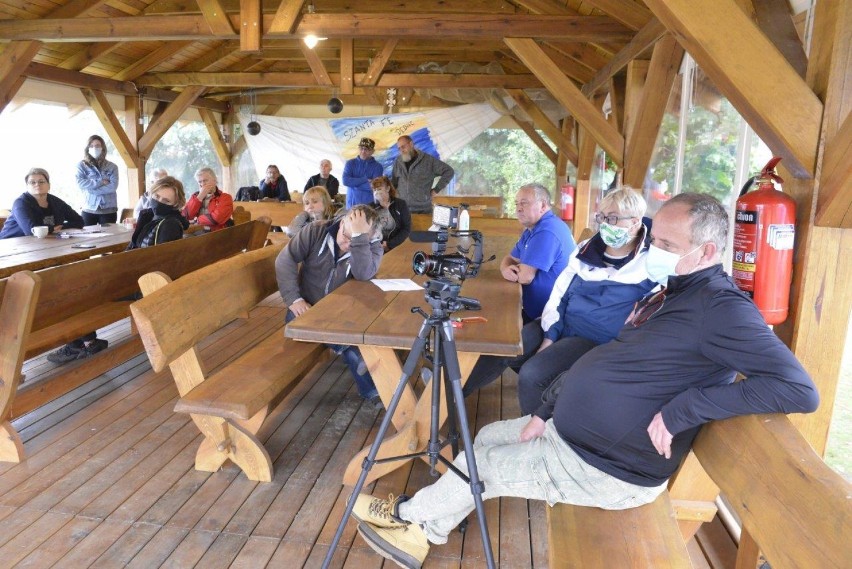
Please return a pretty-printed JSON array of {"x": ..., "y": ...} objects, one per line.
[{"x": 311, "y": 41}]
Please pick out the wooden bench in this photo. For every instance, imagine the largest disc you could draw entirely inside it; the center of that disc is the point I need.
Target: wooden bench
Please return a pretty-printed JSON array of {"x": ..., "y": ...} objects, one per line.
[
  {"x": 794, "y": 508},
  {"x": 281, "y": 213},
  {"x": 229, "y": 406},
  {"x": 78, "y": 298}
]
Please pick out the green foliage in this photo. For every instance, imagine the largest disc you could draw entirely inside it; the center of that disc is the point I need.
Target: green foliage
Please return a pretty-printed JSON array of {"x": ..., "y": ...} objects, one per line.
[
  {"x": 498, "y": 162},
  {"x": 185, "y": 148}
]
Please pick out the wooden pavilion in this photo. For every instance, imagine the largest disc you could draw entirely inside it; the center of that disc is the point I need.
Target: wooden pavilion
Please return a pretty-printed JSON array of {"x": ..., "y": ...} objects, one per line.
[{"x": 197, "y": 56}]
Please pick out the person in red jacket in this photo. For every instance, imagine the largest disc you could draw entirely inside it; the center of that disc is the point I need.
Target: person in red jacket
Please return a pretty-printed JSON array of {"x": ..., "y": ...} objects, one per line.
[{"x": 209, "y": 207}]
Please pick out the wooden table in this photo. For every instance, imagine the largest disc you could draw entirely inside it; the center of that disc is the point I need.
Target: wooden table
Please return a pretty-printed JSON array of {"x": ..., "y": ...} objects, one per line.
[
  {"x": 31, "y": 253},
  {"x": 361, "y": 314}
]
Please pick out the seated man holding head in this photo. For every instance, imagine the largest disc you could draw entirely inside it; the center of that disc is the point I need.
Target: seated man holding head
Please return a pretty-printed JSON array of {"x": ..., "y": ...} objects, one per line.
[{"x": 322, "y": 256}]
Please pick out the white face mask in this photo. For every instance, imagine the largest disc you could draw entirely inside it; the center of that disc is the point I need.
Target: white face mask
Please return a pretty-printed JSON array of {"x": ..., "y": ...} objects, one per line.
[
  {"x": 661, "y": 264},
  {"x": 95, "y": 152},
  {"x": 614, "y": 236}
]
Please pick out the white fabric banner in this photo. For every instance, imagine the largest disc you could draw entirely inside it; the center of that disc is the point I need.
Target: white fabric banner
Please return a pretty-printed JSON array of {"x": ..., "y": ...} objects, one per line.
[{"x": 296, "y": 146}]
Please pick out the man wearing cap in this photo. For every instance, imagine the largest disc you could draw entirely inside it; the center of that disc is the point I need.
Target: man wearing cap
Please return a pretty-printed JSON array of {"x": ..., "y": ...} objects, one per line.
[
  {"x": 414, "y": 174},
  {"x": 358, "y": 172}
]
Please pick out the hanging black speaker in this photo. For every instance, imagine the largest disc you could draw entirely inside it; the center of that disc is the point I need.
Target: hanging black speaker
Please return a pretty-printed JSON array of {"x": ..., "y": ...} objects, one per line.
[
  {"x": 335, "y": 105},
  {"x": 253, "y": 128}
]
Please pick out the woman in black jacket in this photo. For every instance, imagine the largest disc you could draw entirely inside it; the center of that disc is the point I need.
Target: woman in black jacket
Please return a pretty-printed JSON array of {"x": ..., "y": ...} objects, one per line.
[
  {"x": 37, "y": 207},
  {"x": 394, "y": 217},
  {"x": 163, "y": 221}
]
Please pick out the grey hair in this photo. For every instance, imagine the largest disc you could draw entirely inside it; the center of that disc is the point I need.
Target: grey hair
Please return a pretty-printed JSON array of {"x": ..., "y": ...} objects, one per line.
[
  {"x": 709, "y": 218},
  {"x": 37, "y": 172},
  {"x": 206, "y": 171},
  {"x": 541, "y": 193},
  {"x": 159, "y": 173},
  {"x": 626, "y": 201}
]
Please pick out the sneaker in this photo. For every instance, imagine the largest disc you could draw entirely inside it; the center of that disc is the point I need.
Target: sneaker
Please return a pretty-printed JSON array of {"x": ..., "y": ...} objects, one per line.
[
  {"x": 66, "y": 353},
  {"x": 96, "y": 346},
  {"x": 379, "y": 512},
  {"x": 406, "y": 546}
]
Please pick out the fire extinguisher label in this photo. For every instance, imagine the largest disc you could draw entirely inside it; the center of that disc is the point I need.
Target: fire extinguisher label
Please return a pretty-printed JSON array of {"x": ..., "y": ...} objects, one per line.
[
  {"x": 781, "y": 236},
  {"x": 745, "y": 250}
]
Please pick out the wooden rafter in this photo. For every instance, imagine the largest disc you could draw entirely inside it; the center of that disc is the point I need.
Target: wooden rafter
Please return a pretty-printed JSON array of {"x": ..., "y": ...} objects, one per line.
[
  {"x": 533, "y": 135},
  {"x": 13, "y": 61},
  {"x": 631, "y": 14},
  {"x": 645, "y": 38},
  {"x": 216, "y": 17},
  {"x": 404, "y": 25},
  {"x": 213, "y": 56},
  {"x": 317, "y": 67},
  {"x": 377, "y": 65},
  {"x": 286, "y": 17},
  {"x": 834, "y": 207},
  {"x": 787, "y": 119},
  {"x": 347, "y": 66},
  {"x": 219, "y": 144},
  {"x": 637, "y": 72},
  {"x": 773, "y": 17},
  {"x": 88, "y": 55},
  {"x": 543, "y": 123},
  {"x": 570, "y": 66},
  {"x": 564, "y": 91},
  {"x": 278, "y": 79},
  {"x": 150, "y": 61},
  {"x": 617, "y": 97},
  {"x": 125, "y": 147},
  {"x": 50, "y": 74},
  {"x": 662, "y": 71},
  {"x": 160, "y": 126},
  {"x": 251, "y": 26}
]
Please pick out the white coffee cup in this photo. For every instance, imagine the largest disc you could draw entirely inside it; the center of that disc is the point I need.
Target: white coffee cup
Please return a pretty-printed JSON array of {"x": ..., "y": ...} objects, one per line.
[{"x": 40, "y": 231}]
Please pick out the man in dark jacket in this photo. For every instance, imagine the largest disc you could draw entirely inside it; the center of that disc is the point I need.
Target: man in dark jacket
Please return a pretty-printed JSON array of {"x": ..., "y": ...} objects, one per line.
[
  {"x": 414, "y": 174},
  {"x": 324, "y": 179},
  {"x": 630, "y": 409}
]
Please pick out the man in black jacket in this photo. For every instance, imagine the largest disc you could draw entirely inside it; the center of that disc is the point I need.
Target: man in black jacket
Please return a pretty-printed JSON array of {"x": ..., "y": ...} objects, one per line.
[{"x": 629, "y": 409}]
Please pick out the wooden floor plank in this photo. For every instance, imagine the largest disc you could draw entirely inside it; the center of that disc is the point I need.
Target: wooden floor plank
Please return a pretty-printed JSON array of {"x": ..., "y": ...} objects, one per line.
[
  {"x": 126, "y": 547},
  {"x": 155, "y": 552},
  {"x": 190, "y": 549},
  {"x": 60, "y": 543},
  {"x": 94, "y": 544},
  {"x": 256, "y": 552},
  {"x": 35, "y": 534},
  {"x": 222, "y": 551}
]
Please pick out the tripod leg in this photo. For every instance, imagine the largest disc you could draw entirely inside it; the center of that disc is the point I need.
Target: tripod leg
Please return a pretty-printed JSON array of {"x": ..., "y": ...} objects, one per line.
[
  {"x": 410, "y": 363},
  {"x": 451, "y": 361}
]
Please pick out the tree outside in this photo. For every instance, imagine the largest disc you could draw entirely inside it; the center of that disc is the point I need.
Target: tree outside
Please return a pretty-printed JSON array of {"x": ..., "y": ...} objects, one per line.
[{"x": 185, "y": 148}]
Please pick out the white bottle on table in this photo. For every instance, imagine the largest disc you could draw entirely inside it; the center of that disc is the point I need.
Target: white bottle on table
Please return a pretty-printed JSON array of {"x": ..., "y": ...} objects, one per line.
[{"x": 464, "y": 219}]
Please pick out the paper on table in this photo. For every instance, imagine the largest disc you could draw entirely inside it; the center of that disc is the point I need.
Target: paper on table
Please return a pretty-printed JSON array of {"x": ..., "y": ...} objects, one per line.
[{"x": 396, "y": 284}]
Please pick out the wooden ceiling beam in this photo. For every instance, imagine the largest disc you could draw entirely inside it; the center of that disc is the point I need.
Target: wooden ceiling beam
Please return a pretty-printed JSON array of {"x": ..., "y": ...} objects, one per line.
[
  {"x": 377, "y": 65},
  {"x": 662, "y": 72},
  {"x": 774, "y": 19},
  {"x": 212, "y": 57},
  {"x": 161, "y": 125},
  {"x": 543, "y": 123},
  {"x": 219, "y": 144},
  {"x": 150, "y": 61},
  {"x": 277, "y": 79},
  {"x": 317, "y": 67},
  {"x": 216, "y": 17},
  {"x": 563, "y": 90},
  {"x": 75, "y": 8},
  {"x": 630, "y": 13},
  {"x": 645, "y": 38},
  {"x": 536, "y": 138},
  {"x": 88, "y": 55},
  {"x": 108, "y": 119},
  {"x": 834, "y": 207},
  {"x": 13, "y": 61},
  {"x": 402, "y": 25},
  {"x": 569, "y": 66},
  {"x": 166, "y": 7},
  {"x": 787, "y": 119},
  {"x": 347, "y": 66},
  {"x": 50, "y": 74},
  {"x": 251, "y": 26},
  {"x": 286, "y": 17}
]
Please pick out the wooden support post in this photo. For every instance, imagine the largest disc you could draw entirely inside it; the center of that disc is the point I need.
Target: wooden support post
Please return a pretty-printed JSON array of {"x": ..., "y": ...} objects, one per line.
[
  {"x": 377, "y": 65},
  {"x": 133, "y": 128},
  {"x": 533, "y": 135},
  {"x": 219, "y": 145},
  {"x": 567, "y": 128},
  {"x": 541, "y": 121},
  {"x": 316, "y": 64},
  {"x": 216, "y": 17},
  {"x": 126, "y": 149},
  {"x": 251, "y": 26},
  {"x": 13, "y": 61},
  {"x": 347, "y": 66},
  {"x": 160, "y": 126},
  {"x": 584, "y": 201},
  {"x": 286, "y": 17}
]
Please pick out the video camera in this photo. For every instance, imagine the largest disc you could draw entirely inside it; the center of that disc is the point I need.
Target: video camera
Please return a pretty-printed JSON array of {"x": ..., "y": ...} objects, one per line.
[{"x": 454, "y": 265}]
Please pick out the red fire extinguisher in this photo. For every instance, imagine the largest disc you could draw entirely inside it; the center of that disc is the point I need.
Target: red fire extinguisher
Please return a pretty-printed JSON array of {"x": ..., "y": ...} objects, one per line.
[
  {"x": 764, "y": 232},
  {"x": 567, "y": 200}
]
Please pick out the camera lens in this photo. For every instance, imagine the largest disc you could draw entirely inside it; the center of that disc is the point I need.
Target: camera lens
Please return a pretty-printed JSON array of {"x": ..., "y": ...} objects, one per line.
[{"x": 420, "y": 263}]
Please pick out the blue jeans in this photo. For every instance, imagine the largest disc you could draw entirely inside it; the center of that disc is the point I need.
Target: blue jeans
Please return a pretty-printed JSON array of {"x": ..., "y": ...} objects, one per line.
[{"x": 352, "y": 357}]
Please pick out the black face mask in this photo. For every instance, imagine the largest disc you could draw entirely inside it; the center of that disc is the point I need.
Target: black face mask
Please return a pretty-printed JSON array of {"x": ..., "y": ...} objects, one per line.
[{"x": 162, "y": 209}]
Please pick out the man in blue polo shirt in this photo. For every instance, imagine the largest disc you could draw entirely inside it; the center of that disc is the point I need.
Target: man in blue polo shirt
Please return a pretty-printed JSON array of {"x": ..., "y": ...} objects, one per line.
[{"x": 541, "y": 253}]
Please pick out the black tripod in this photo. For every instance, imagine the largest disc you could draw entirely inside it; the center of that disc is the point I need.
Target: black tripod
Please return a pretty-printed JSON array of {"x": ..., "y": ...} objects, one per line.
[{"x": 443, "y": 296}]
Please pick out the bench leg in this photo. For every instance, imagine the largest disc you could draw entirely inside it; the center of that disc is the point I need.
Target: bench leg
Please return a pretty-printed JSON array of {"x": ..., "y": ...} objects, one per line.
[
  {"x": 11, "y": 447},
  {"x": 225, "y": 441}
]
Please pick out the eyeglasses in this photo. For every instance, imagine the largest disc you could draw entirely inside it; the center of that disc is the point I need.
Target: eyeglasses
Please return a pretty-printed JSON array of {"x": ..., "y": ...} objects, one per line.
[
  {"x": 38, "y": 182},
  {"x": 646, "y": 308},
  {"x": 612, "y": 219}
]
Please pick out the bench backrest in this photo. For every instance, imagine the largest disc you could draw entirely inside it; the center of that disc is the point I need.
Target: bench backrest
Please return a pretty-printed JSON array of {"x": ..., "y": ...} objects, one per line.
[
  {"x": 17, "y": 306},
  {"x": 175, "y": 315},
  {"x": 797, "y": 509},
  {"x": 281, "y": 213},
  {"x": 71, "y": 289}
]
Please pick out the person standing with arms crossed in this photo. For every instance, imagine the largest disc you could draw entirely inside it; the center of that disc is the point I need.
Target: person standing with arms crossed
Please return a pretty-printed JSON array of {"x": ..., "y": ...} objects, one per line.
[{"x": 97, "y": 178}]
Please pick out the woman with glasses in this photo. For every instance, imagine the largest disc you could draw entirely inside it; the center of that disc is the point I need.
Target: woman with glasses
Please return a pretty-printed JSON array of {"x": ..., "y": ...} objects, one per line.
[
  {"x": 591, "y": 300},
  {"x": 37, "y": 206}
]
